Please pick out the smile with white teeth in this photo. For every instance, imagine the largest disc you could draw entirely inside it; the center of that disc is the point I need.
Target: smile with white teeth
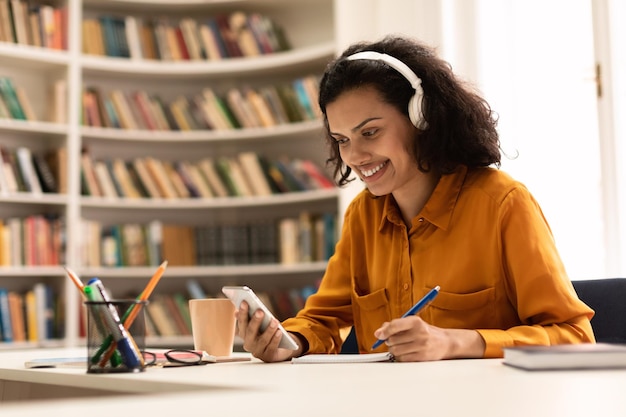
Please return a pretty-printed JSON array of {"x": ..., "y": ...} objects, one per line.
[{"x": 370, "y": 172}]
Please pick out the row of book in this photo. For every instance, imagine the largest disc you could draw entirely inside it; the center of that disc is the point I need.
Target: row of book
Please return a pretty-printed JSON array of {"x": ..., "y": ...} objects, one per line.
[
  {"x": 246, "y": 174},
  {"x": 33, "y": 316},
  {"x": 22, "y": 170},
  {"x": 31, "y": 23},
  {"x": 226, "y": 35},
  {"x": 308, "y": 237},
  {"x": 35, "y": 240},
  {"x": 238, "y": 107}
]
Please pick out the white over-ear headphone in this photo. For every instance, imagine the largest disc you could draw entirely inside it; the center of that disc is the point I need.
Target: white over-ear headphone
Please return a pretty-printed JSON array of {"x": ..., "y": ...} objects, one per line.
[{"x": 415, "y": 103}]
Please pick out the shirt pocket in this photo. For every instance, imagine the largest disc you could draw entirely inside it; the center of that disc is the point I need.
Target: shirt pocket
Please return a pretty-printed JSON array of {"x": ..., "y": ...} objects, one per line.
[
  {"x": 463, "y": 311},
  {"x": 370, "y": 311}
]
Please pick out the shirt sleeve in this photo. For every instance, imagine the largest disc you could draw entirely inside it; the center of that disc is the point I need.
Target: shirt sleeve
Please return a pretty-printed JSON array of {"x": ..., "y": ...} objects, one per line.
[
  {"x": 328, "y": 312},
  {"x": 537, "y": 283}
]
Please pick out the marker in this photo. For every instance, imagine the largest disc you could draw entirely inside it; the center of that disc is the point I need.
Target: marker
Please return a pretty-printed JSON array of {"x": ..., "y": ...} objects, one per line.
[
  {"x": 415, "y": 309},
  {"x": 130, "y": 355}
]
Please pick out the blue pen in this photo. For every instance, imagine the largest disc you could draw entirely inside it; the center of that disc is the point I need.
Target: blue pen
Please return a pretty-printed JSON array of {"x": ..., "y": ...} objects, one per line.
[{"x": 415, "y": 309}]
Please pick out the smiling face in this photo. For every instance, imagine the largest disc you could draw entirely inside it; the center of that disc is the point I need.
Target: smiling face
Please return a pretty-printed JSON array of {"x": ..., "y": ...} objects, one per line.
[{"x": 375, "y": 141}]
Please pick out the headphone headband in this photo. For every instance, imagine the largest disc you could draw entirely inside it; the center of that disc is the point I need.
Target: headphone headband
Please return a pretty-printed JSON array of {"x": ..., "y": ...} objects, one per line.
[{"x": 415, "y": 103}]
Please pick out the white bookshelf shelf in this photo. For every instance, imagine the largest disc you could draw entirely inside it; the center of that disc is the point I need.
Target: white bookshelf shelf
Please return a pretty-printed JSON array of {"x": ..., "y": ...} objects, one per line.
[
  {"x": 259, "y": 66},
  {"x": 269, "y": 133}
]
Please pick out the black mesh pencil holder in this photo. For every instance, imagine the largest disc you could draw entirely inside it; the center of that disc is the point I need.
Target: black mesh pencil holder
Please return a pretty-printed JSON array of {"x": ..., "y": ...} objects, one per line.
[{"x": 116, "y": 333}]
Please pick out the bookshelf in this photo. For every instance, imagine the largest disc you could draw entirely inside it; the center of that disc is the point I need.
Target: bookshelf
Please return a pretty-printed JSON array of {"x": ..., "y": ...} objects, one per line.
[{"x": 308, "y": 26}]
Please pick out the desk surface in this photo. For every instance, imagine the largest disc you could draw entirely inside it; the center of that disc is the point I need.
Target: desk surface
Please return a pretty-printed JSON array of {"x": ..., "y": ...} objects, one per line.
[{"x": 447, "y": 388}]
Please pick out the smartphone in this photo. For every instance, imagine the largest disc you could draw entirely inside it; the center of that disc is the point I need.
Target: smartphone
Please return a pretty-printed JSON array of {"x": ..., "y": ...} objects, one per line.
[{"x": 238, "y": 294}]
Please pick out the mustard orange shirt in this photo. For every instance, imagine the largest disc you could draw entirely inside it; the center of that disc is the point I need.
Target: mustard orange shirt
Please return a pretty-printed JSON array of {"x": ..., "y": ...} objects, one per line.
[{"x": 481, "y": 237}]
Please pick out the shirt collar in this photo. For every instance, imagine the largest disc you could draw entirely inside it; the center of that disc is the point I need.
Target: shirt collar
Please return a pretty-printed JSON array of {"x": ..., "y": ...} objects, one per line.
[{"x": 439, "y": 207}]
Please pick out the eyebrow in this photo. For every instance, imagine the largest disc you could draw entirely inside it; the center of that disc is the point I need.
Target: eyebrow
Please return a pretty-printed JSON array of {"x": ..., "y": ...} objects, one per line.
[{"x": 360, "y": 125}]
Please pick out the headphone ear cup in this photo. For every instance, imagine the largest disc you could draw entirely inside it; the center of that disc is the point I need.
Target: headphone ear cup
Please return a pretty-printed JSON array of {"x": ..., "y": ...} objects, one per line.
[{"x": 415, "y": 111}]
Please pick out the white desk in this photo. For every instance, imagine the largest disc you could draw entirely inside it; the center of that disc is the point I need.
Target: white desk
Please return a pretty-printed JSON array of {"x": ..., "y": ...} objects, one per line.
[{"x": 448, "y": 388}]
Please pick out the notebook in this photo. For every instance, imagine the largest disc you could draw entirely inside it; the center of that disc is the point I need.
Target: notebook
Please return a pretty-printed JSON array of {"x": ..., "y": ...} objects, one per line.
[
  {"x": 576, "y": 356},
  {"x": 345, "y": 358}
]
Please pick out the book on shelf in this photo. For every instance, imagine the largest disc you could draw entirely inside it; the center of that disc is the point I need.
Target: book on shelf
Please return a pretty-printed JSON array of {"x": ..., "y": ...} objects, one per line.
[
  {"x": 208, "y": 170},
  {"x": 190, "y": 38},
  {"x": 90, "y": 182},
  {"x": 161, "y": 179},
  {"x": 6, "y": 22},
  {"x": 123, "y": 176},
  {"x": 47, "y": 178},
  {"x": 27, "y": 169},
  {"x": 6, "y": 328},
  {"x": 211, "y": 42},
  {"x": 178, "y": 245},
  {"x": 147, "y": 180},
  {"x": 191, "y": 174},
  {"x": 242, "y": 33},
  {"x": 93, "y": 42},
  {"x": 134, "y": 245},
  {"x": 90, "y": 247},
  {"x": 105, "y": 181},
  {"x": 261, "y": 108},
  {"x": 25, "y": 103},
  {"x": 175, "y": 179},
  {"x": 131, "y": 32},
  {"x": 288, "y": 236},
  {"x": 5, "y": 244},
  {"x": 19, "y": 22},
  {"x": 110, "y": 245},
  {"x": 228, "y": 36},
  {"x": 147, "y": 39},
  {"x": 573, "y": 356},
  {"x": 153, "y": 235},
  {"x": 30, "y": 303},
  {"x": 57, "y": 161},
  {"x": 16, "y": 310},
  {"x": 276, "y": 107},
  {"x": 160, "y": 317},
  {"x": 253, "y": 171},
  {"x": 136, "y": 180},
  {"x": 123, "y": 110},
  {"x": 9, "y": 94}
]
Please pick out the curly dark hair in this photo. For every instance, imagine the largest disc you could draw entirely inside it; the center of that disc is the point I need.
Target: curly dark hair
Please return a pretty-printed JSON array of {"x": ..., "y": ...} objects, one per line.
[{"x": 461, "y": 127}]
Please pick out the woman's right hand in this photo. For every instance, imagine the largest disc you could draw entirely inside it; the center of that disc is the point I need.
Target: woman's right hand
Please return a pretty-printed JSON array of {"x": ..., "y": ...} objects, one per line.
[{"x": 262, "y": 345}]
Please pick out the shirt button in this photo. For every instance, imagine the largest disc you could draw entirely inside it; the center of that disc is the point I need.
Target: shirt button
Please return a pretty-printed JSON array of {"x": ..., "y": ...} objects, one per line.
[{"x": 405, "y": 287}]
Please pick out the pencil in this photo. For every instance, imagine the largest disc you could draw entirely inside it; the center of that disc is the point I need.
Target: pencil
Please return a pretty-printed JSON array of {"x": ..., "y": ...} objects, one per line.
[
  {"x": 131, "y": 314},
  {"x": 75, "y": 280}
]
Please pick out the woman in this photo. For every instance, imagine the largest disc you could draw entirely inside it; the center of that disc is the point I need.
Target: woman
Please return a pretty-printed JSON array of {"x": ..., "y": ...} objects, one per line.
[{"x": 436, "y": 211}]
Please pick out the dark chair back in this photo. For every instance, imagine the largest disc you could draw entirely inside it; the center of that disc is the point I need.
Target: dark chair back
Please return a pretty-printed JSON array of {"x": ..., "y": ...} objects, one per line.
[
  {"x": 607, "y": 297},
  {"x": 350, "y": 345}
]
